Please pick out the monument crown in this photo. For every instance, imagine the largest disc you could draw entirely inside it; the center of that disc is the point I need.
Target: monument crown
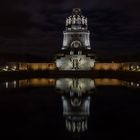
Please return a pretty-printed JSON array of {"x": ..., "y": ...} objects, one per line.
[{"x": 76, "y": 19}]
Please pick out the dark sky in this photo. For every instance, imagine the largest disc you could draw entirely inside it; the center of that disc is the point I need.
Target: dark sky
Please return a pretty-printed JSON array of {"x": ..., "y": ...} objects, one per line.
[{"x": 35, "y": 26}]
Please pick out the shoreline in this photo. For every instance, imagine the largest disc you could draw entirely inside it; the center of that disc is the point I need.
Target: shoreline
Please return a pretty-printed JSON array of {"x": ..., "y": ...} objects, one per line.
[{"x": 122, "y": 75}]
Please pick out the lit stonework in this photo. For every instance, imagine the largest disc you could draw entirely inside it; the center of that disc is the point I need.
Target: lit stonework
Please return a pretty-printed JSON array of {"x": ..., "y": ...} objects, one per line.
[
  {"x": 76, "y": 33},
  {"x": 76, "y": 51}
]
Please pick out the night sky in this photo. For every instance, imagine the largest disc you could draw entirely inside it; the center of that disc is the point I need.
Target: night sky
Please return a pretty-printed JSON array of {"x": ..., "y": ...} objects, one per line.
[{"x": 36, "y": 26}]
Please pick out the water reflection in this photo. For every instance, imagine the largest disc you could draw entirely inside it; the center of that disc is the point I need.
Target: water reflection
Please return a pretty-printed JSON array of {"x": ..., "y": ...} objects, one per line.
[
  {"x": 76, "y": 111},
  {"x": 81, "y": 85},
  {"x": 76, "y": 102},
  {"x": 78, "y": 86},
  {"x": 35, "y": 82},
  {"x": 75, "y": 96}
]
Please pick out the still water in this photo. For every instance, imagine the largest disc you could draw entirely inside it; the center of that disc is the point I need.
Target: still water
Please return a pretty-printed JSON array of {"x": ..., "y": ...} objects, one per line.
[{"x": 70, "y": 108}]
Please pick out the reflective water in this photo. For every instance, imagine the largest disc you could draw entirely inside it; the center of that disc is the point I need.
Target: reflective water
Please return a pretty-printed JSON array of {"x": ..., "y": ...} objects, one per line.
[{"x": 70, "y": 108}]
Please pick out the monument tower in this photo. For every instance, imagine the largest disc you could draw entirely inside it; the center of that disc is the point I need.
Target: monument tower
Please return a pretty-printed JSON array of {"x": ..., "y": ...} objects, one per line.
[{"x": 76, "y": 52}]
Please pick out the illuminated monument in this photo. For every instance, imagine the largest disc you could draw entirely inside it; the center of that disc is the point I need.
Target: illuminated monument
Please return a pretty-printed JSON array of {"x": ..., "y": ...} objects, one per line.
[{"x": 76, "y": 52}]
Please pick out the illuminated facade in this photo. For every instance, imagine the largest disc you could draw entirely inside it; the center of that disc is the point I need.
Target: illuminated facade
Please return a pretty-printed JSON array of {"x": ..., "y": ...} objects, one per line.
[
  {"x": 37, "y": 66},
  {"x": 98, "y": 66},
  {"x": 76, "y": 53}
]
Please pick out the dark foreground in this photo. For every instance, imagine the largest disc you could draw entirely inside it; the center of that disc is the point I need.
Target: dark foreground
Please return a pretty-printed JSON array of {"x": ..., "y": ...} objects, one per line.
[{"x": 37, "y": 112}]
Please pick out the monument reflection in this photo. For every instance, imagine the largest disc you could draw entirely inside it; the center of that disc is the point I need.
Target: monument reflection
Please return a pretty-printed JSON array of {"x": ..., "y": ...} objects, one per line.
[
  {"x": 75, "y": 95},
  {"x": 76, "y": 102}
]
